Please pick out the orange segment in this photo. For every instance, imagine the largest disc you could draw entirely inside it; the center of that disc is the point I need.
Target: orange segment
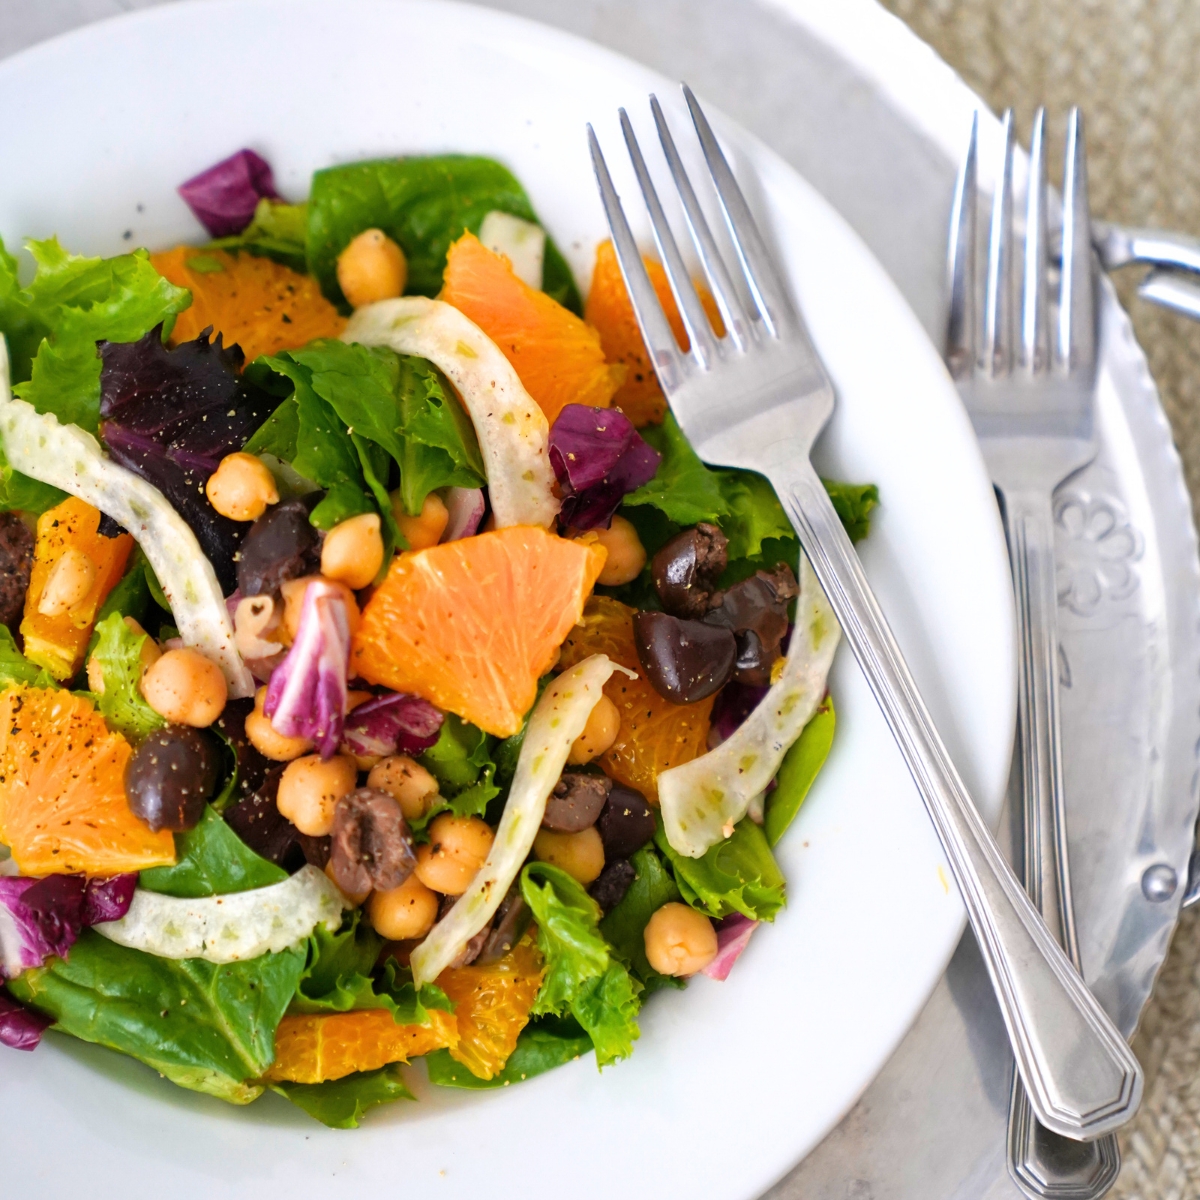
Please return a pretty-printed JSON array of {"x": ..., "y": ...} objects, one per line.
[
  {"x": 58, "y": 642},
  {"x": 609, "y": 310},
  {"x": 654, "y": 734},
  {"x": 558, "y": 358},
  {"x": 492, "y": 1005},
  {"x": 62, "y": 795},
  {"x": 471, "y": 625},
  {"x": 255, "y": 303},
  {"x": 313, "y": 1048}
]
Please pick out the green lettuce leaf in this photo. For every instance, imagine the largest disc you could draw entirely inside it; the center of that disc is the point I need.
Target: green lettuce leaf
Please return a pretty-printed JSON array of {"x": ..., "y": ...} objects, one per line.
[
  {"x": 798, "y": 770},
  {"x": 423, "y": 204},
  {"x": 277, "y": 230},
  {"x": 119, "y": 652},
  {"x": 211, "y": 860},
  {"x": 341, "y": 1103},
  {"x": 461, "y": 761},
  {"x": 739, "y": 874},
  {"x": 582, "y": 977},
  {"x": 130, "y": 598},
  {"x": 206, "y": 1027},
  {"x": 625, "y": 926},
  {"x": 16, "y": 668},
  {"x": 683, "y": 489},
  {"x": 853, "y": 503},
  {"x": 545, "y": 1043}
]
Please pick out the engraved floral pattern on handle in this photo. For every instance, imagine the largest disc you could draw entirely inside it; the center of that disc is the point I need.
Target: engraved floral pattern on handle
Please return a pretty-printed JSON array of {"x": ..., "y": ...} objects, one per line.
[{"x": 1097, "y": 550}]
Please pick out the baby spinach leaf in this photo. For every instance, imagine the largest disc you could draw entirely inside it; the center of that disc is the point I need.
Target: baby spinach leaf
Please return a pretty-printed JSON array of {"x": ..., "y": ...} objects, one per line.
[
  {"x": 739, "y": 874},
  {"x": 277, "y": 231},
  {"x": 545, "y": 1043},
  {"x": 341, "y": 1103},
  {"x": 423, "y": 204},
  {"x": 205, "y": 1027},
  {"x": 798, "y": 770},
  {"x": 625, "y": 926},
  {"x": 118, "y": 650},
  {"x": 131, "y": 597}
]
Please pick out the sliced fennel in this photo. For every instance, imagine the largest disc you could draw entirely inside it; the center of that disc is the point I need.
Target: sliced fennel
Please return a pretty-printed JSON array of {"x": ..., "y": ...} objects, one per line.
[
  {"x": 557, "y": 720},
  {"x": 702, "y": 800},
  {"x": 513, "y": 431},
  {"x": 70, "y": 458},
  {"x": 522, "y": 242},
  {"x": 230, "y": 928}
]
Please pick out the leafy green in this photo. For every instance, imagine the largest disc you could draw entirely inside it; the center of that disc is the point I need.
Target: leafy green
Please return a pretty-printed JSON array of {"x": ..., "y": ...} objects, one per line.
[
  {"x": 624, "y": 927},
  {"x": 131, "y": 597},
  {"x": 211, "y": 860},
  {"x": 507, "y": 752},
  {"x": 461, "y": 761},
  {"x": 582, "y": 977},
  {"x": 119, "y": 652},
  {"x": 205, "y": 1027},
  {"x": 277, "y": 230},
  {"x": 21, "y": 491},
  {"x": 341, "y": 1103},
  {"x": 739, "y": 874},
  {"x": 423, "y": 204},
  {"x": 545, "y": 1043},
  {"x": 755, "y": 514},
  {"x": 798, "y": 770},
  {"x": 684, "y": 490},
  {"x": 16, "y": 668},
  {"x": 853, "y": 503}
]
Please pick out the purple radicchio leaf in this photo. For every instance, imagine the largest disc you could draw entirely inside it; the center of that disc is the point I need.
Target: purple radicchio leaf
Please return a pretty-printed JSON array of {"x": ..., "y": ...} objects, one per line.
[
  {"x": 734, "y": 703},
  {"x": 170, "y": 416},
  {"x": 392, "y": 724},
  {"x": 733, "y": 936},
  {"x": 307, "y": 694},
  {"x": 108, "y": 899},
  {"x": 224, "y": 197},
  {"x": 466, "y": 507},
  {"x": 598, "y": 458},
  {"x": 38, "y": 918},
  {"x": 20, "y": 1027}
]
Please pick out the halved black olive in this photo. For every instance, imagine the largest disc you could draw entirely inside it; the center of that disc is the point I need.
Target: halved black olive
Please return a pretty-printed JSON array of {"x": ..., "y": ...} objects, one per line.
[
  {"x": 171, "y": 777},
  {"x": 685, "y": 571},
  {"x": 684, "y": 661}
]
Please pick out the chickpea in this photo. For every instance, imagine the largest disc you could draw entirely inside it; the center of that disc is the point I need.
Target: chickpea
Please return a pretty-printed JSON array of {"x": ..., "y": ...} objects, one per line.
[
  {"x": 186, "y": 687},
  {"x": 679, "y": 940},
  {"x": 580, "y": 854},
  {"x": 241, "y": 487},
  {"x": 409, "y": 783},
  {"x": 371, "y": 267},
  {"x": 150, "y": 654},
  {"x": 310, "y": 788},
  {"x": 267, "y": 740},
  {"x": 425, "y": 529},
  {"x": 352, "y": 552},
  {"x": 456, "y": 850},
  {"x": 293, "y": 603},
  {"x": 356, "y": 899},
  {"x": 626, "y": 554},
  {"x": 69, "y": 581},
  {"x": 408, "y": 911},
  {"x": 598, "y": 734}
]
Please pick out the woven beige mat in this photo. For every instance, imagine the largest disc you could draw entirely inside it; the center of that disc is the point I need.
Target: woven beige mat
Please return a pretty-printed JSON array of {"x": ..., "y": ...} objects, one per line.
[{"x": 1134, "y": 68}]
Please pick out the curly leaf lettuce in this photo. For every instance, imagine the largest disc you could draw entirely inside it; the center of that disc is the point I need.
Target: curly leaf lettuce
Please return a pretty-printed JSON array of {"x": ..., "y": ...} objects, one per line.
[
  {"x": 118, "y": 650},
  {"x": 461, "y": 761},
  {"x": 16, "y": 668},
  {"x": 545, "y": 1043}
]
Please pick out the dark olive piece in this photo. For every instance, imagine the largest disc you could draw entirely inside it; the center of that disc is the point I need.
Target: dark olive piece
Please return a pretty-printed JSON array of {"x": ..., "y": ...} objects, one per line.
[
  {"x": 471, "y": 951},
  {"x": 576, "y": 801},
  {"x": 626, "y": 824},
  {"x": 171, "y": 777},
  {"x": 16, "y": 565},
  {"x": 609, "y": 889},
  {"x": 252, "y": 766},
  {"x": 259, "y": 823},
  {"x": 684, "y": 661},
  {"x": 756, "y": 611},
  {"x": 685, "y": 571},
  {"x": 281, "y": 545},
  {"x": 512, "y": 919},
  {"x": 372, "y": 847}
]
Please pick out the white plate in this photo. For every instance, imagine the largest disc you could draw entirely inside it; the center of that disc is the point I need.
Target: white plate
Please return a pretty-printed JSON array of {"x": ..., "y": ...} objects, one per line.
[{"x": 731, "y": 1083}]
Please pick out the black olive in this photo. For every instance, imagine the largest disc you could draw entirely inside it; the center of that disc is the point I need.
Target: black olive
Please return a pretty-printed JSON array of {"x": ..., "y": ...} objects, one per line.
[
  {"x": 684, "y": 661},
  {"x": 16, "y": 565},
  {"x": 626, "y": 824},
  {"x": 685, "y": 571},
  {"x": 259, "y": 823},
  {"x": 576, "y": 801},
  {"x": 281, "y": 545},
  {"x": 512, "y": 919},
  {"x": 171, "y": 777},
  {"x": 756, "y": 611},
  {"x": 372, "y": 847},
  {"x": 614, "y": 881}
]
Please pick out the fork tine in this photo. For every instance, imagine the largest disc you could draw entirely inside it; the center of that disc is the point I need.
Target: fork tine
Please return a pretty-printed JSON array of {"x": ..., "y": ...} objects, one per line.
[
  {"x": 737, "y": 320},
  {"x": 695, "y": 320},
  {"x": 770, "y": 296},
  {"x": 998, "y": 305},
  {"x": 1035, "y": 317},
  {"x": 1077, "y": 298},
  {"x": 962, "y": 331},
  {"x": 656, "y": 330}
]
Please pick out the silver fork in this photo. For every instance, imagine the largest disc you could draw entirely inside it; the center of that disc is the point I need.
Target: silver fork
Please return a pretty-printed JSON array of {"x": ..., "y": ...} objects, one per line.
[
  {"x": 1030, "y": 394},
  {"x": 1080, "y": 1074}
]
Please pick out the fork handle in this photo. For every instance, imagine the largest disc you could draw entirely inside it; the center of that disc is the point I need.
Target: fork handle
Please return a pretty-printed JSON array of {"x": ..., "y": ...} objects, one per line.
[
  {"x": 1042, "y": 1163},
  {"x": 1082, "y": 1078}
]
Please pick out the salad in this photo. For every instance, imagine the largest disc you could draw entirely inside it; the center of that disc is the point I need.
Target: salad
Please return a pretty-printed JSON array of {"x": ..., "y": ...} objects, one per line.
[{"x": 383, "y": 676}]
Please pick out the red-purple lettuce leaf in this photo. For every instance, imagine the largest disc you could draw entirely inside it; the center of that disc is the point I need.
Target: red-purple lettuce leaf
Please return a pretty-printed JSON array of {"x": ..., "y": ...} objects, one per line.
[
  {"x": 107, "y": 899},
  {"x": 392, "y": 724},
  {"x": 225, "y": 196},
  {"x": 20, "y": 1027},
  {"x": 38, "y": 918}
]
